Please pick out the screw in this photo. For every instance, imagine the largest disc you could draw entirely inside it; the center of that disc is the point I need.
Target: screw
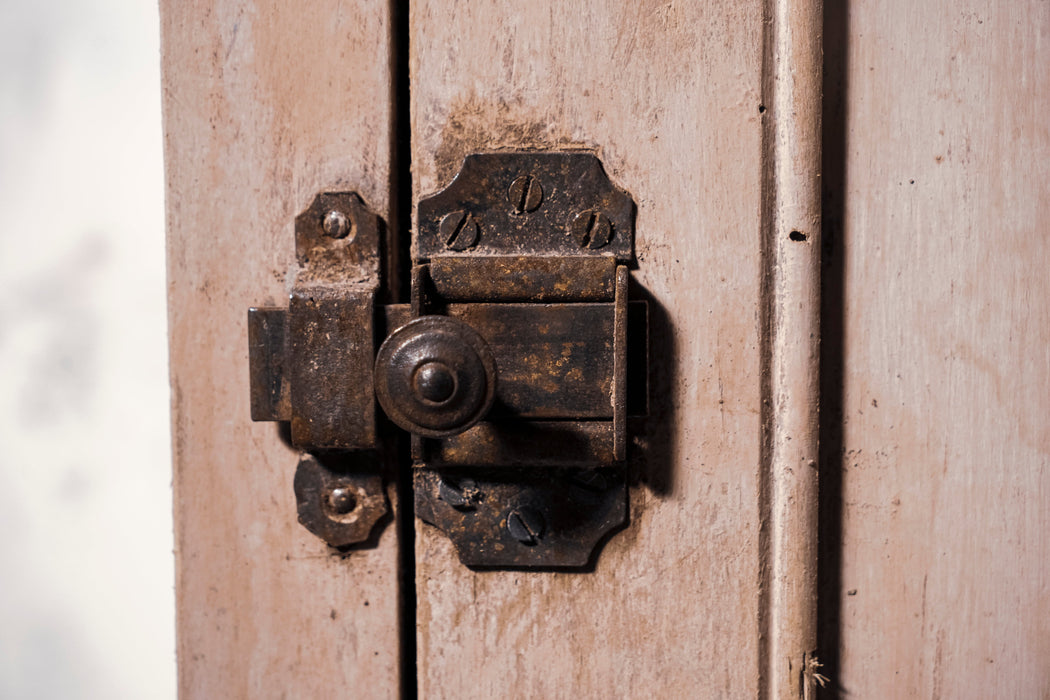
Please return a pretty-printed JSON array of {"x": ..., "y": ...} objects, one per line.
[
  {"x": 336, "y": 224},
  {"x": 525, "y": 194},
  {"x": 341, "y": 500},
  {"x": 591, "y": 229},
  {"x": 526, "y": 526},
  {"x": 459, "y": 230},
  {"x": 591, "y": 480},
  {"x": 462, "y": 497}
]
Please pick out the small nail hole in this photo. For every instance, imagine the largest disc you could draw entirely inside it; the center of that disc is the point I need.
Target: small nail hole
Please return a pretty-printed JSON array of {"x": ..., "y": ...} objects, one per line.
[
  {"x": 797, "y": 236},
  {"x": 761, "y": 109}
]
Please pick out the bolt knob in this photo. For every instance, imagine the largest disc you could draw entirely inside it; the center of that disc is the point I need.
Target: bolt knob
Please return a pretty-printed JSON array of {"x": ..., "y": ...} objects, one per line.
[
  {"x": 434, "y": 382},
  {"x": 435, "y": 376}
]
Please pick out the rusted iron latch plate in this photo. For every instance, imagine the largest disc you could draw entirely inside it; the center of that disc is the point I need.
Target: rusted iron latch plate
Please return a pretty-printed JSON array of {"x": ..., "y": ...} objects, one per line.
[
  {"x": 531, "y": 250},
  {"x": 509, "y": 367}
]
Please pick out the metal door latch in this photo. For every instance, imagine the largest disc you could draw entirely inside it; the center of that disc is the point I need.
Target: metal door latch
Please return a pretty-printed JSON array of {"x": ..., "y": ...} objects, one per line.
[{"x": 512, "y": 366}]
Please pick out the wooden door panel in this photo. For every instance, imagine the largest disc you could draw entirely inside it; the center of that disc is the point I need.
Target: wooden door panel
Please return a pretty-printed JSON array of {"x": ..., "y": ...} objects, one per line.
[
  {"x": 937, "y": 294},
  {"x": 668, "y": 96},
  {"x": 936, "y": 377},
  {"x": 265, "y": 104}
]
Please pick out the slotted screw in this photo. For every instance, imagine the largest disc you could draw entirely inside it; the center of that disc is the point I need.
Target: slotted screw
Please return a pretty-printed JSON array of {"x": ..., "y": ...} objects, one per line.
[
  {"x": 463, "y": 496},
  {"x": 459, "y": 230},
  {"x": 525, "y": 194},
  {"x": 591, "y": 480},
  {"x": 526, "y": 526},
  {"x": 591, "y": 229}
]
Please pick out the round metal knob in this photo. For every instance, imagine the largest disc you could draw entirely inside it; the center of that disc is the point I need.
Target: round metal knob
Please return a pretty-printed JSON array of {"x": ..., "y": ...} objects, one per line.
[
  {"x": 434, "y": 382},
  {"x": 435, "y": 376}
]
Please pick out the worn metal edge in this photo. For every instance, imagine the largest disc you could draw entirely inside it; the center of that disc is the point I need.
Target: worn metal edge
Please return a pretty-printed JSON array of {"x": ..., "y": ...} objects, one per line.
[
  {"x": 524, "y": 278},
  {"x": 619, "y": 383}
]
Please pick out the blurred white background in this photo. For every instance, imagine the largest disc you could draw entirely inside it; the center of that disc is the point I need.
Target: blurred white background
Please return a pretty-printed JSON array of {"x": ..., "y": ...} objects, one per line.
[{"x": 86, "y": 569}]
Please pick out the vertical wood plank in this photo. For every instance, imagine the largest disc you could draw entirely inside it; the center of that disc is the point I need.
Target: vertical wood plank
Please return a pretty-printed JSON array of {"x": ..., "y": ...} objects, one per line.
[
  {"x": 265, "y": 104},
  {"x": 668, "y": 95},
  {"x": 944, "y": 579}
]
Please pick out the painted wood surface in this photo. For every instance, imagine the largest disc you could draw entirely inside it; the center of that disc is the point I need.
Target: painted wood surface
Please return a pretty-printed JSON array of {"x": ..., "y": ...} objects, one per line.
[
  {"x": 793, "y": 81},
  {"x": 265, "y": 104},
  {"x": 936, "y": 337},
  {"x": 935, "y": 570},
  {"x": 668, "y": 95}
]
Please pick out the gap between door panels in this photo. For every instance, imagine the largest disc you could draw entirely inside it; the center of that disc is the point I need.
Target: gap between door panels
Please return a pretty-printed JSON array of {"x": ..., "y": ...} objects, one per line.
[
  {"x": 832, "y": 341},
  {"x": 398, "y": 241}
]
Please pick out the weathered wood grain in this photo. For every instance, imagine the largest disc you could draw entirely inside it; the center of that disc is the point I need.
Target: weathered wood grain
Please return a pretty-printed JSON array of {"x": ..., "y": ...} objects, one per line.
[
  {"x": 937, "y": 566},
  {"x": 668, "y": 95},
  {"x": 265, "y": 103},
  {"x": 941, "y": 283}
]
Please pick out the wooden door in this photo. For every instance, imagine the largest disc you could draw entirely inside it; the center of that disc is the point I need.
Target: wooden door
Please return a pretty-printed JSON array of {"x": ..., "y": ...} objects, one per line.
[
  {"x": 936, "y": 391},
  {"x": 265, "y": 104},
  {"x": 935, "y": 372},
  {"x": 669, "y": 97}
]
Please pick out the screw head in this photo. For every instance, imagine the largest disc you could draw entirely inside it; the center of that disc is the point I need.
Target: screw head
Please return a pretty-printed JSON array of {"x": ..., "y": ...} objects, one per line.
[
  {"x": 336, "y": 224},
  {"x": 463, "y": 496},
  {"x": 591, "y": 229},
  {"x": 526, "y": 526},
  {"x": 590, "y": 480},
  {"x": 525, "y": 194},
  {"x": 459, "y": 230},
  {"x": 340, "y": 500}
]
